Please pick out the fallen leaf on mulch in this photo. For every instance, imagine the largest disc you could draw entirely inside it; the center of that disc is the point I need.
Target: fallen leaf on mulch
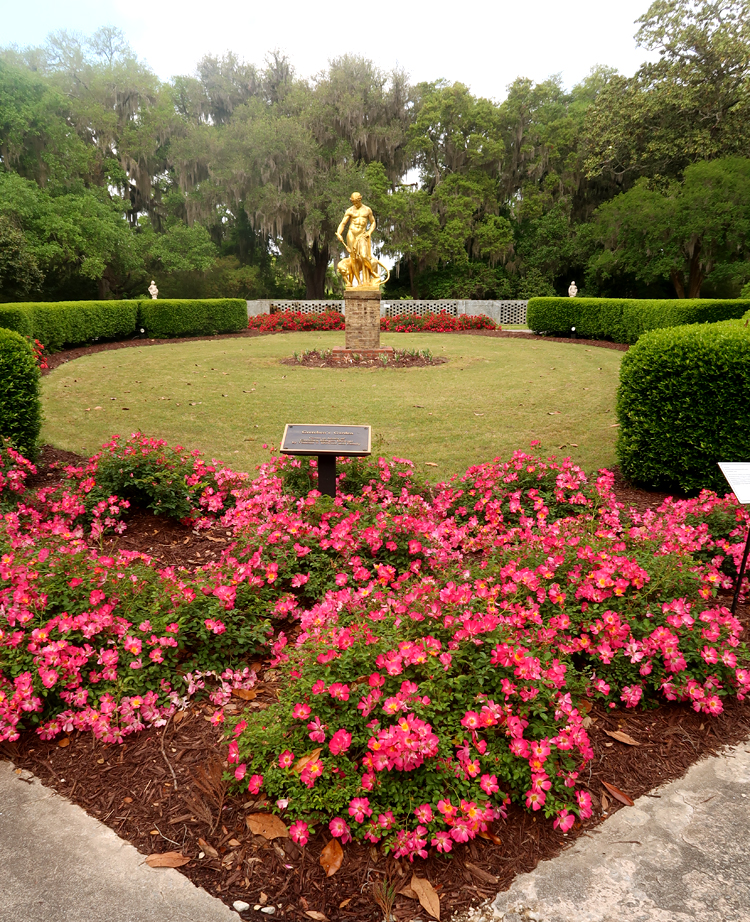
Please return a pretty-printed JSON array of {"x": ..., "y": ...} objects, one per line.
[
  {"x": 426, "y": 895},
  {"x": 331, "y": 857},
  {"x": 65, "y": 741},
  {"x": 208, "y": 849},
  {"x": 267, "y": 825},
  {"x": 622, "y": 737},
  {"x": 245, "y": 693},
  {"x": 167, "y": 860},
  {"x": 302, "y": 762},
  {"x": 618, "y": 794},
  {"x": 314, "y": 914}
]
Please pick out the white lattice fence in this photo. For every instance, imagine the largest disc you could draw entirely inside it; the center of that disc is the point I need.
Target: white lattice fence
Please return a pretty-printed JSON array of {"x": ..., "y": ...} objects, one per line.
[
  {"x": 499, "y": 311},
  {"x": 305, "y": 307},
  {"x": 421, "y": 308}
]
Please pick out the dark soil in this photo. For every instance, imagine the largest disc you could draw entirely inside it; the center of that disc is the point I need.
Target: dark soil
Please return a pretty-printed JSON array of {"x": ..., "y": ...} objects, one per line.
[{"x": 162, "y": 789}]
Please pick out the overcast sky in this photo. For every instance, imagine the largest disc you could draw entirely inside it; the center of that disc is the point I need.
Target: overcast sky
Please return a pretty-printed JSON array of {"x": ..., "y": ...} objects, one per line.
[{"x": 485, "y": 44}]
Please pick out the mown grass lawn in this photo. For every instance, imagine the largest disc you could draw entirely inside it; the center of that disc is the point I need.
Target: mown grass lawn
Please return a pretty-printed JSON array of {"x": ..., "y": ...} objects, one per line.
[{"x": 228, "y": 398}]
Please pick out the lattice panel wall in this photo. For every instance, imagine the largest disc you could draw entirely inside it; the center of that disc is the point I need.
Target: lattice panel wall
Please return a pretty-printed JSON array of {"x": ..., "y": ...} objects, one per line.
[
  {"x": 305, "y": 307},
  {"x": 500, "y": 311},
  {"x": 421, "y": 308},
  {"x": 507, "y": 311}
]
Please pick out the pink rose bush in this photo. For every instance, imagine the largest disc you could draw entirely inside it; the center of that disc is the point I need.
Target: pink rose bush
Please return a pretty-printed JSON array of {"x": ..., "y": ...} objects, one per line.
[
  {"x": 438, "y": 646},
  {"x": 14, "y": 469}
]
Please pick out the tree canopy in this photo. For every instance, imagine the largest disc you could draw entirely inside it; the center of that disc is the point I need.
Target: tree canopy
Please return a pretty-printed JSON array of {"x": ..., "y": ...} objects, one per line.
[{"x": 233, "y": 179}]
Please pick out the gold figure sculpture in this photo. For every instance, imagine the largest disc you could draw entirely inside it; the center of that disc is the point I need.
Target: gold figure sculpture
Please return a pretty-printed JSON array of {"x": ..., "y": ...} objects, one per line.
[{"x": 360, "y": 269}]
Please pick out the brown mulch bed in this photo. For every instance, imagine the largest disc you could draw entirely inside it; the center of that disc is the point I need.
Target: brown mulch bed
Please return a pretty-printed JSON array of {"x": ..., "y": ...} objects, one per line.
[{"x": 162, "y": 789}]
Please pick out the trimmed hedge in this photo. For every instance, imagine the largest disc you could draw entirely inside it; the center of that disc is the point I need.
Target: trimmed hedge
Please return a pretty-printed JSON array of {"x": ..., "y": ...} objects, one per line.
[
  {"x": 623, "y": 320},
  {"x": 683, "y": 405},
  {"x": 20, "y": 407},
  {"x": 205, "y": 317},
  {"x": 58, "y": 324}
]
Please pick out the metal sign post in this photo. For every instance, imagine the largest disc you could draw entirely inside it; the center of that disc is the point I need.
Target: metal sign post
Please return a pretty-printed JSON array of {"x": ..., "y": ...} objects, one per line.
[
  {"x": 738, "y": 478},
  {"x": 327, "y": 442}
]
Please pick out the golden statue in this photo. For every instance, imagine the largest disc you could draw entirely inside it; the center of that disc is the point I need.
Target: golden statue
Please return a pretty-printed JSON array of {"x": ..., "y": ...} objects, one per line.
[{"x": 360, "y": 268}]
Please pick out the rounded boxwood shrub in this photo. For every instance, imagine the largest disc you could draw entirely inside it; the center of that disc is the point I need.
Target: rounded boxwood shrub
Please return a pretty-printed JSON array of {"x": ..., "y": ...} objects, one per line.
[
  {"x": 20, "y": 408},
  {"x": 683, "y": 406}
]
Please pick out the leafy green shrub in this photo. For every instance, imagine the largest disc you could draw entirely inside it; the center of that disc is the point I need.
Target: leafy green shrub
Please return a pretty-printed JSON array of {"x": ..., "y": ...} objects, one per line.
[
  {"x": 683, "y": 406},
  {"x": 20, "y": 409},
  {"x": 168, "y": 481},
  {"x": 58, "y": 324},
  {"x": 15, "y": 317},
  {"x": 172, "y": 317},
  {"x": 623, "y": 320}
]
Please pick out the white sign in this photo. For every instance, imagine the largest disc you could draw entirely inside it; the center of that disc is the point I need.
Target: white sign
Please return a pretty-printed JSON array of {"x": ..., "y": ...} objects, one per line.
[{"x": 738, "y": 475}]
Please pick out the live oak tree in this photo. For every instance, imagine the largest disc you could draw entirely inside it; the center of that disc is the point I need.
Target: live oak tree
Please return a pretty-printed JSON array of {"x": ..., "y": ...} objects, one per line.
[
  {"x": 692, "y": 104},
  {"x": 681, "y": 232}
]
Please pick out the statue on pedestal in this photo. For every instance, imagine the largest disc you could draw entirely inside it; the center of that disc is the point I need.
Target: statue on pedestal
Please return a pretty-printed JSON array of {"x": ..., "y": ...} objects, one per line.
[
  {"x": 153, "y": 290},
  {"x": 360, "y": 269},
  {"x": 573, "y": 290}
]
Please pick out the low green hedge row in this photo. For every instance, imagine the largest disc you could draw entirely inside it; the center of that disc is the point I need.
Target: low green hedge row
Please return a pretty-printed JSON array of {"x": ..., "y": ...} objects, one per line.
[
  {"x": 20, "y": 407},
  {"x": 623, "y": 320},
  {"x": 165, "y": 317},
  {"x": 58, "y": 324},
  {"x": 683, "y": 406}
]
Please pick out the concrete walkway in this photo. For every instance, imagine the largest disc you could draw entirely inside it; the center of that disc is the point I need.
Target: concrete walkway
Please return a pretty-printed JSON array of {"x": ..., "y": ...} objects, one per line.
[
  {"x": 681, "y": 854},
  {"x": 57, "y": 864}
]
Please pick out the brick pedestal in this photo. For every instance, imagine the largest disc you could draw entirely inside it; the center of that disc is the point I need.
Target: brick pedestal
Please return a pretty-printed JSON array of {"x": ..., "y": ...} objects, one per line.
[{"x": 362, "y": 320}]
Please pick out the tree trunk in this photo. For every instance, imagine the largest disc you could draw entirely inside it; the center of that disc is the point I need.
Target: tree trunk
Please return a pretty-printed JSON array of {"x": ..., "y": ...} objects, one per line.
[
  {"x": 412, "y": 283},
  {"x": 678, "y": 282},
  {"x": 696, "y": 274},
  {"x": 314, "y": 266},
  {"x": 104, "y": 287}
]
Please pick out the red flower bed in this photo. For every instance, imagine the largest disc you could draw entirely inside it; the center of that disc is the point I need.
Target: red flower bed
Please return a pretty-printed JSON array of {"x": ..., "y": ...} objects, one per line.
[
  {"x": 436, "y": 323},
  {"x": 295, "y": 321}
]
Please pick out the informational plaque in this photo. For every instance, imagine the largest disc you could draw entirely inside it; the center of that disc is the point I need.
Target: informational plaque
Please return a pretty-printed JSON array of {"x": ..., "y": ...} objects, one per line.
[
  {"x": 737, "y": 474},
  {"x": 344, "y": 441}
]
